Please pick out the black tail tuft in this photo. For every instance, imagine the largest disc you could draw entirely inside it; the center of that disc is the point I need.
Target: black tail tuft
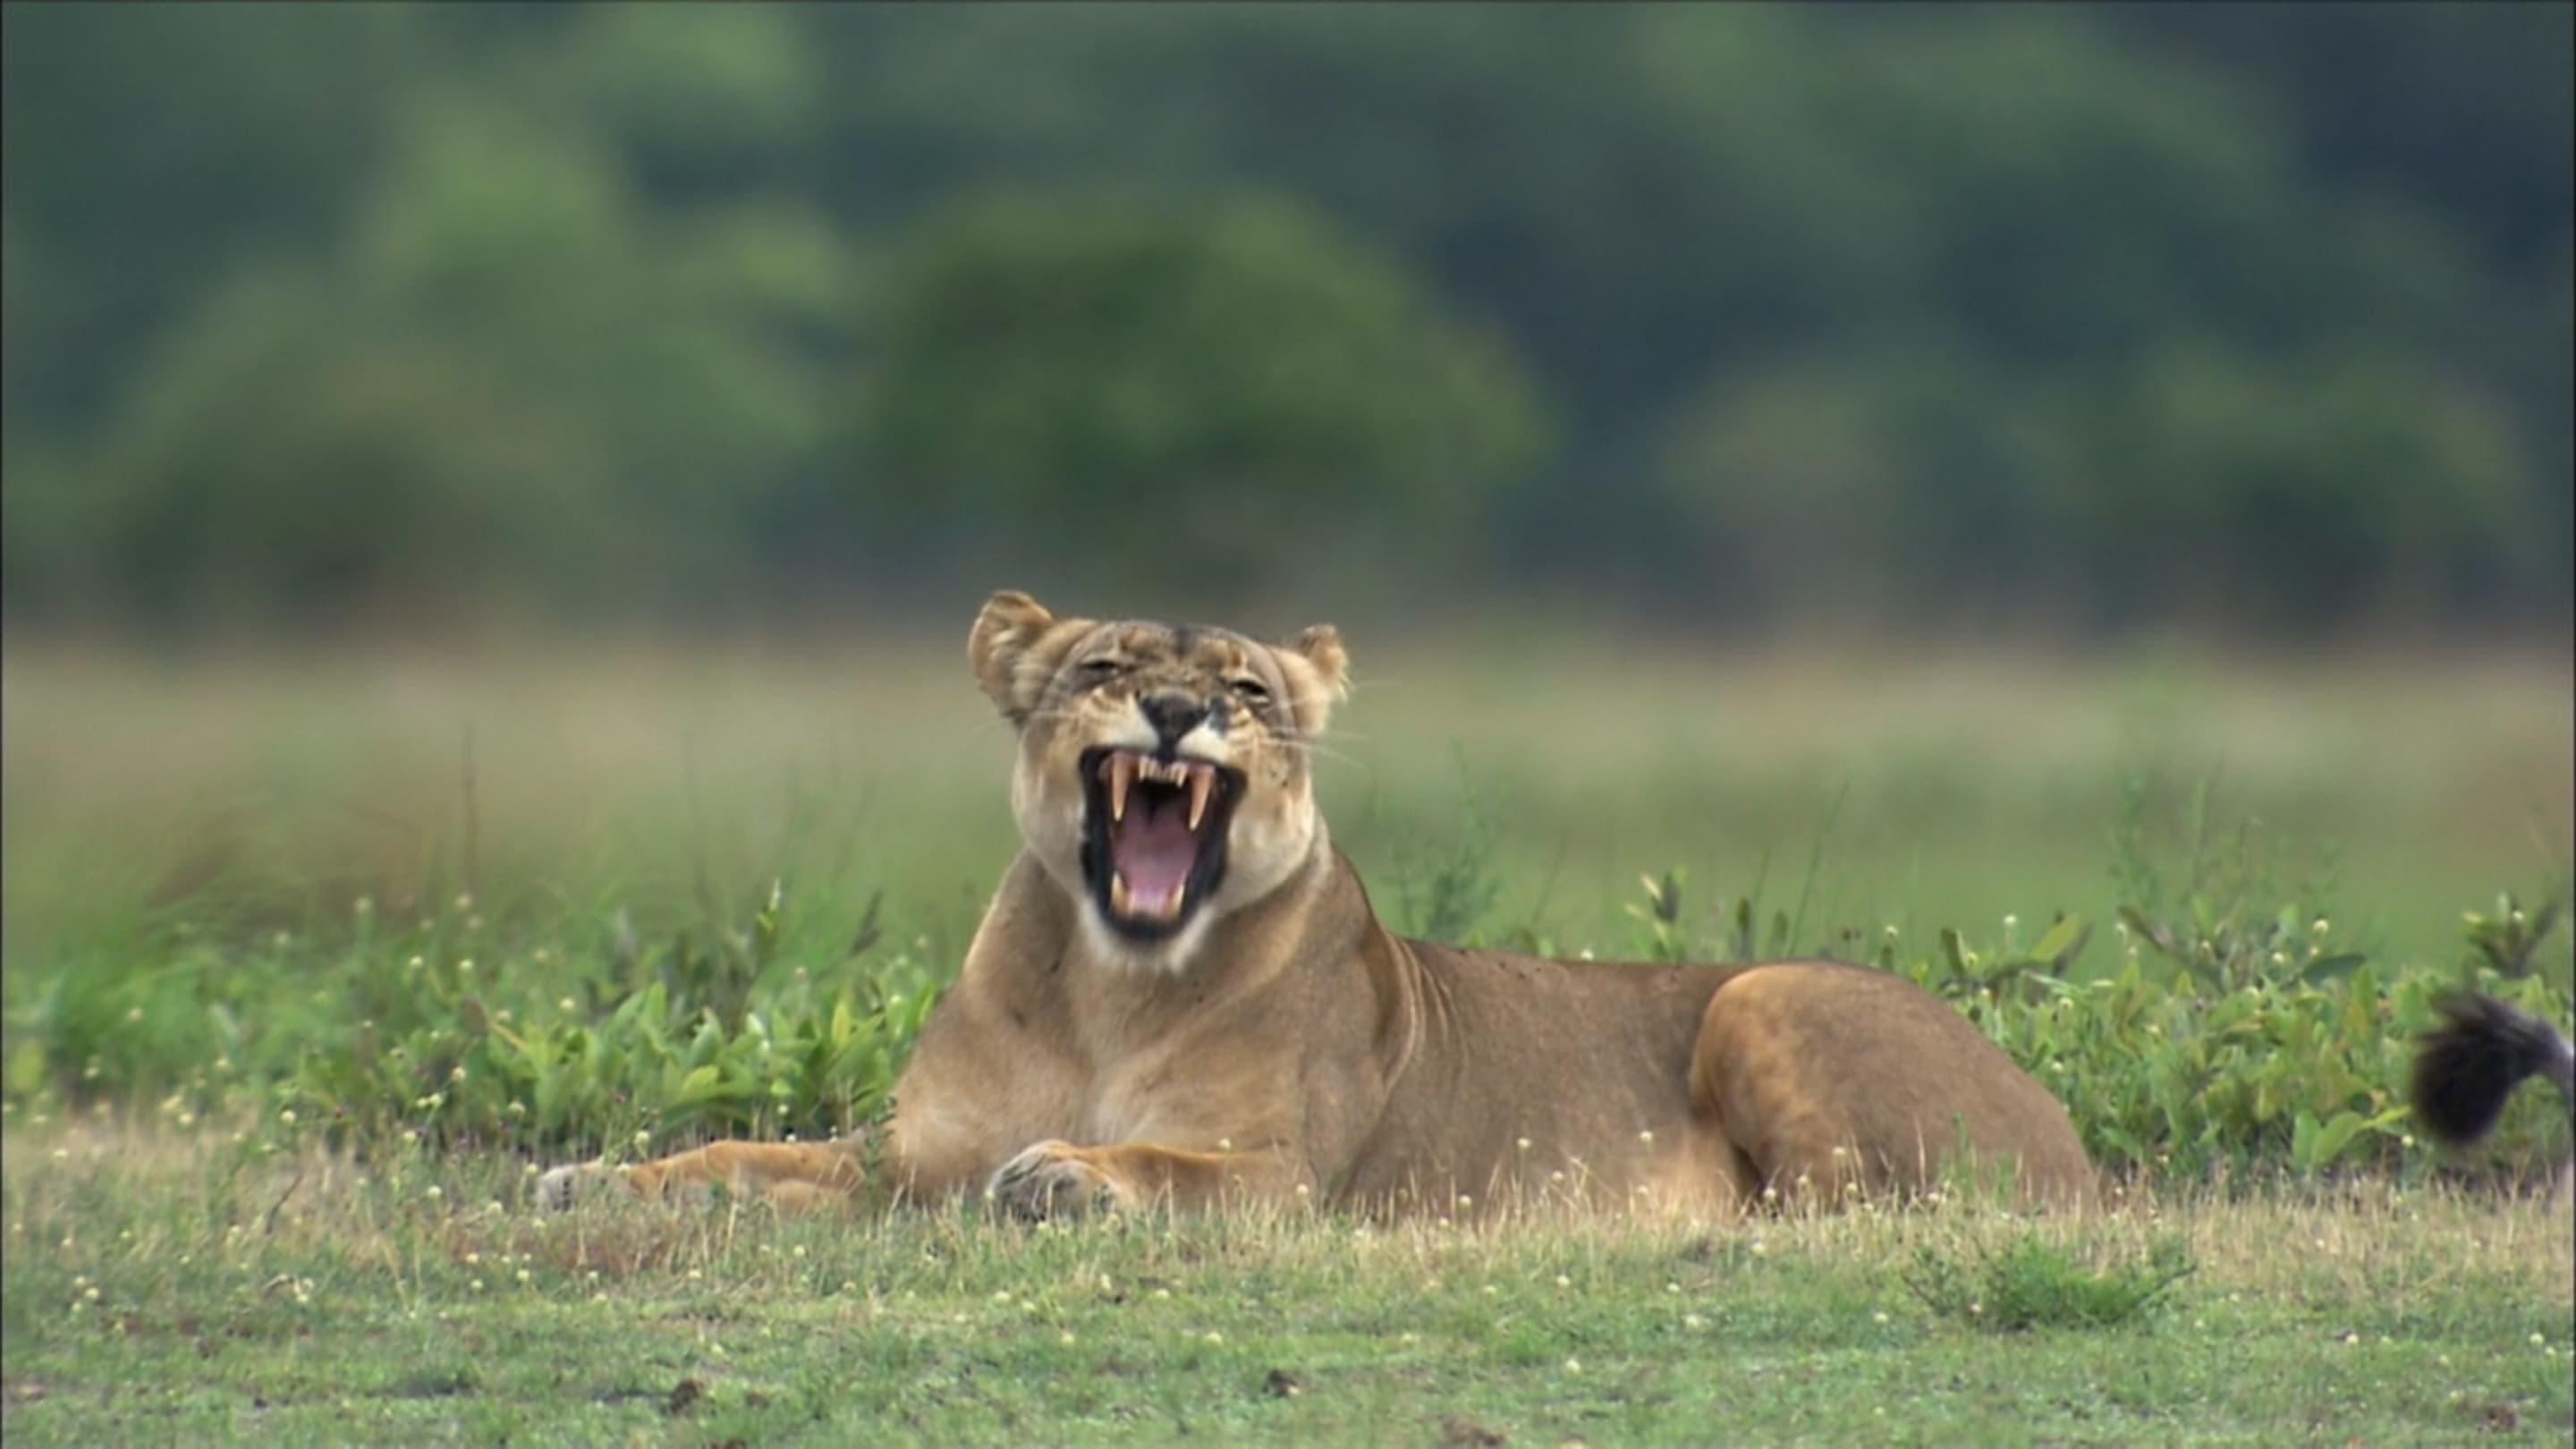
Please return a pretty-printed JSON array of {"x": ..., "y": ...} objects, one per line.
[{"x": 2470, "y": 1064}]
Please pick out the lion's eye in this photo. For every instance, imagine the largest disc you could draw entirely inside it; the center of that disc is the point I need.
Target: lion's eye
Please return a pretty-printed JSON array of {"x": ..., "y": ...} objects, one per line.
[
  {"x": 1095, "y": 670},
  {"x": 1251, "y": 691}
]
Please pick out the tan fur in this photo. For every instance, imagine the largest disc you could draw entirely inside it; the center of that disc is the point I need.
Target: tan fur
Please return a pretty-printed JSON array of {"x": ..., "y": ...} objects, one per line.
[{"x": 1284, "y": 1043}]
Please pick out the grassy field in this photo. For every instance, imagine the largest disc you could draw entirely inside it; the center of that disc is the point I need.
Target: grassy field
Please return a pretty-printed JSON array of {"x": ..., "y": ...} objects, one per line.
[
  {"x": 308, "y": 960},
  {"x": 197, "y": 1290},
  {"x": 1920, "y": 789}
]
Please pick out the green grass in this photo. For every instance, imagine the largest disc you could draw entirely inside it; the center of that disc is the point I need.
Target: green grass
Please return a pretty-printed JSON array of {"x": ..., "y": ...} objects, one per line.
[
  {"x": 166, "y": 1289},
  {"x": 274, "y": 970}
]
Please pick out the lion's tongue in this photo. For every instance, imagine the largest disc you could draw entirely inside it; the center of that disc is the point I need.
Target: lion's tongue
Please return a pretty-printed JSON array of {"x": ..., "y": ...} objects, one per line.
[{"x": 1152, "y": 851}]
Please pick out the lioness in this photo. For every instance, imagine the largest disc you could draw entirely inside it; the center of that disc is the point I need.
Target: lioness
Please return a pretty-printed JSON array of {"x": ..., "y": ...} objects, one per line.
[{"x": 1181, "y": 996}]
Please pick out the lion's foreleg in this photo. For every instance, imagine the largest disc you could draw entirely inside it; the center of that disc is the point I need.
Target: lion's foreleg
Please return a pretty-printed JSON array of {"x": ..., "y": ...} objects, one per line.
[
  {"x": 793, "y": 1175},
  {"x": 1051, "y": 1179}
]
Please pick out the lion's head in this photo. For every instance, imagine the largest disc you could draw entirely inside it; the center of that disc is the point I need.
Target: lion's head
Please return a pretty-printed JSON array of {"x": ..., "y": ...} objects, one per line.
[{"x": 1162, "y": 776}]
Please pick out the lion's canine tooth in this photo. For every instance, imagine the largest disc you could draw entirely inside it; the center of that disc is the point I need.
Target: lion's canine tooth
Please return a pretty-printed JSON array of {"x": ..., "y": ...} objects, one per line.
[
  {"x": 1122, "y": 773},
  {"x": 1202, "y": 778},
  {"x": 1118, "y": 893},
  {"x": 1180, "y": 893}
]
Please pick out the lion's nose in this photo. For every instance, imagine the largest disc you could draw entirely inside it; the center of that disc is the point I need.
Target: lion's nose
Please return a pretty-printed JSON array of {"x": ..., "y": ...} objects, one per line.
[{"x": 1173, "y": 714}]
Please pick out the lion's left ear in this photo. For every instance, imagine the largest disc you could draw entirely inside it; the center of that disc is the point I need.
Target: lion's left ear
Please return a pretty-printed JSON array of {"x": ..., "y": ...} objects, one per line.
[
  {"x": 1015, "y": 648},
  {"x": 1318, "y": 671}
]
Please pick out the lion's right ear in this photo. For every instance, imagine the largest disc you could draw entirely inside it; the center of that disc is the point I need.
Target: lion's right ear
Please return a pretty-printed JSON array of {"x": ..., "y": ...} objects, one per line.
[
  {"x": 1318, "y": 671},
  {"x": 1015, "y": 648}
]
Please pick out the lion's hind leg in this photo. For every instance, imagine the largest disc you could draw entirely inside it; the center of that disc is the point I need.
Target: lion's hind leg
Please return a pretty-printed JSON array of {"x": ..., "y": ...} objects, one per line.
[
  {"x": 796, "y": 1176},
  {"x": 1832, "y": 1081}
]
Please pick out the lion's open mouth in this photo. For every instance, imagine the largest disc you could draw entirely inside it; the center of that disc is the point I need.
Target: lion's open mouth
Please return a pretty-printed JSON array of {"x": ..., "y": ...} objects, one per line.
[{"x": 1154, "y": 836}]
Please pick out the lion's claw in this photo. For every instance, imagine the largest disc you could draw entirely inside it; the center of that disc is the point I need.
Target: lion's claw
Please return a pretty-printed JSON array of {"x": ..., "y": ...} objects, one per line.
[{"x": 1051, "y": 1180}]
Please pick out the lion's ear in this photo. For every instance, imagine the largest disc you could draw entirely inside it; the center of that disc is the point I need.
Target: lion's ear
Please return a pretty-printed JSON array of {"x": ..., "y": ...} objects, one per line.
[
  {"x": 1318, "y": 671},
  {"x": 1015, "y": 648}
]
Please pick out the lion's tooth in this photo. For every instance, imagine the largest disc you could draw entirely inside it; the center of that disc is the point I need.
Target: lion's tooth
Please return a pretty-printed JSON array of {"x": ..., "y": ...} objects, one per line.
[
  {"x": 1202, "y": 779},
  {"x": 1122, "y": 773},
  {"x": 1172, "y": 906},
  {"x": 1118, "y": 893}
]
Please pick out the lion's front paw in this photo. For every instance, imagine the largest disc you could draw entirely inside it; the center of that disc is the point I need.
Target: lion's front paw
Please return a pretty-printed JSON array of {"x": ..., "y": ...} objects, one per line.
[
  {"x": 1052, "y": 1180},
  {"x": 561, "y": 1186}
]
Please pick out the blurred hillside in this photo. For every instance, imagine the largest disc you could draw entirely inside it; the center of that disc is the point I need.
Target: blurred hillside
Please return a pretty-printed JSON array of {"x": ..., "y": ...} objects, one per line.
[{"x": 2254, "y": 318}]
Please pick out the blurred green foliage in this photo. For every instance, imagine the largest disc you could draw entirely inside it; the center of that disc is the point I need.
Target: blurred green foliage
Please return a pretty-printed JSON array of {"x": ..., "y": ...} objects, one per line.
[{"x": 2134, "y": 314}]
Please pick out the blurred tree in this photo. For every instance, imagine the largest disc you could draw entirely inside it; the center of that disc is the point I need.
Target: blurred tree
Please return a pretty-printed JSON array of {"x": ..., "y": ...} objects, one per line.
[
  {"x": 510, "y": 383},
  {"x": 2293, "y": 497},
  {"x": 703, "y": 102},
  {"x": 2468, "y": 106},
  {"x": 152, "y": 147},
  {"x": 1858, "y": 289},
  {"x": 1799, "y": 487},
  {"x": 1192, "y": 393}
]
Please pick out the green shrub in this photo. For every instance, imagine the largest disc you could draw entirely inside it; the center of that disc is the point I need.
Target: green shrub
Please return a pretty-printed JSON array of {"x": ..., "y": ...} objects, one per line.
[
  {"x": 2032, "y": 1283},
  {"x": 469, "y": 1033}
]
